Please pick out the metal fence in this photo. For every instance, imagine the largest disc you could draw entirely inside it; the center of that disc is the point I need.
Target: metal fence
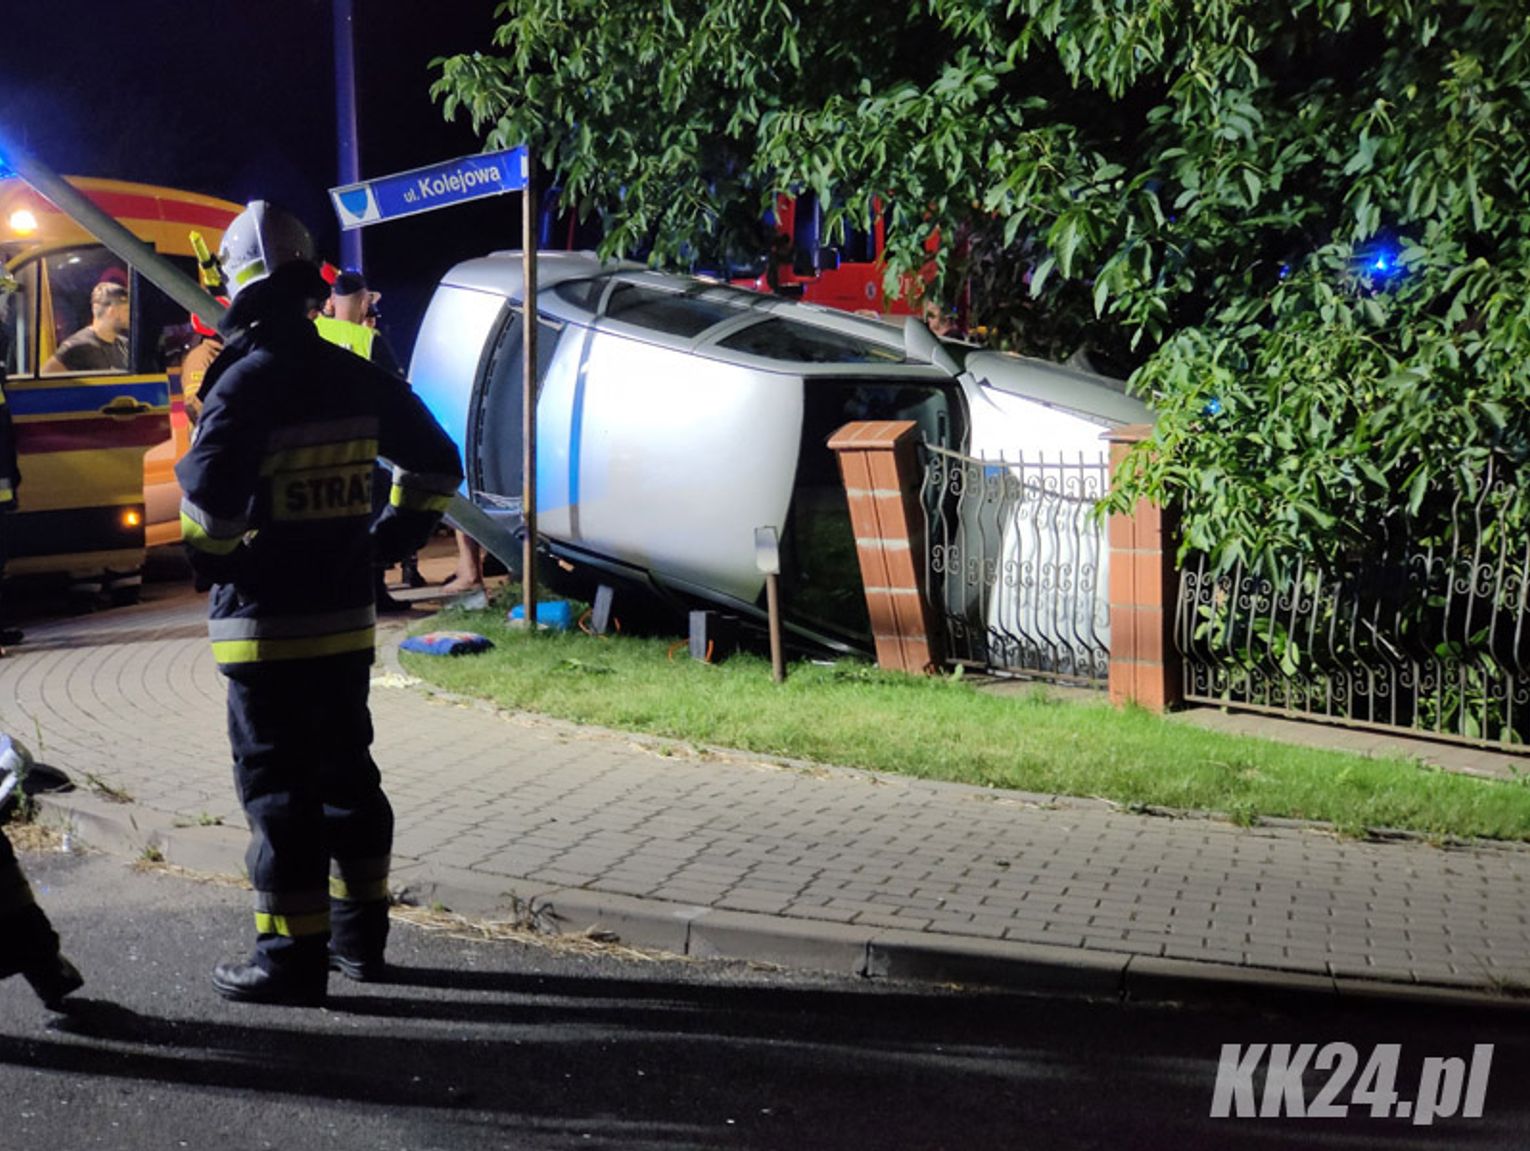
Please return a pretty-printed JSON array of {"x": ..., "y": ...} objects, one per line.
[
  {"x": 1016, "y": 563},
  {"x": 1433, "y": 639}
]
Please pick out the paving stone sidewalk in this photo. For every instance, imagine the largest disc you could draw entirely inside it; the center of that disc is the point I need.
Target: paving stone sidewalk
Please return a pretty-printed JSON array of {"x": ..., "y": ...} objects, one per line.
[{"x": 724, "y": 853}]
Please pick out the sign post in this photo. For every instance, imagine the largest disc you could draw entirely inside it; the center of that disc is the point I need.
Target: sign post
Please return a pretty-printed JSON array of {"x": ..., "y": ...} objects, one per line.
[
  {"x": 457, "y": 182},
  {"x": 529, "y": 399}
]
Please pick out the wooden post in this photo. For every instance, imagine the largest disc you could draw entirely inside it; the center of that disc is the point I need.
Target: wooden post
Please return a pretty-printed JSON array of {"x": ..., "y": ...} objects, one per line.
[
  {"x": 1145, "y": 666},
  {"x": 879, "y": 462},
  {"x": 773, "y": 611}
]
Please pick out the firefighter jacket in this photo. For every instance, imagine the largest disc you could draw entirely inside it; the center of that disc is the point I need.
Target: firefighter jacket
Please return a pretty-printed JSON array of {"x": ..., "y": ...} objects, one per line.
[{"x": 277, "y": 492}]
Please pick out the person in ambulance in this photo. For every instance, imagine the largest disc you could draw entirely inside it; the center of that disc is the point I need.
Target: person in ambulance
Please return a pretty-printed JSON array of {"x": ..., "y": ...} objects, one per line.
[{"x": 101, "y": 346}]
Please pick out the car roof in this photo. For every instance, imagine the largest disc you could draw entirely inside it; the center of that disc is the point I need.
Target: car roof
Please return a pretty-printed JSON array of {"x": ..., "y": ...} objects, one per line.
[
  {"x": 701, "y": 316},
  {"x": 722, "y": 322}
]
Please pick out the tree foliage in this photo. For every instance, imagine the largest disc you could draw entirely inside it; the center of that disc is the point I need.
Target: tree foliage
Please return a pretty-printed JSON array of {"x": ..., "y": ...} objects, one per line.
[{"x": 1301, "y": 226}]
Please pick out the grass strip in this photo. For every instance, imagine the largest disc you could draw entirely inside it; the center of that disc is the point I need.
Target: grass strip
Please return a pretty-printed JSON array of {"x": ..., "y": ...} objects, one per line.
[{"x": 944, "y": 728}]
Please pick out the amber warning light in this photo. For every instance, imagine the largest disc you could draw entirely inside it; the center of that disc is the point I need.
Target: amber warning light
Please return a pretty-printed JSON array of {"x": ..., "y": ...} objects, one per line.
[{"x": 131, "y": 518}]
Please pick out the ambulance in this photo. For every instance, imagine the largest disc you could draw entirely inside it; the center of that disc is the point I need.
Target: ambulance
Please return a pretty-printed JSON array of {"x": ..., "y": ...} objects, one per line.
[{"x": 97, "y": 441}]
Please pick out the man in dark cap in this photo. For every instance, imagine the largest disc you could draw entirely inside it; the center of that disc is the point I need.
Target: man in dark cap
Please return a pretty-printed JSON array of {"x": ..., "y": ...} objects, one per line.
[{"x": 344, "y": 321}]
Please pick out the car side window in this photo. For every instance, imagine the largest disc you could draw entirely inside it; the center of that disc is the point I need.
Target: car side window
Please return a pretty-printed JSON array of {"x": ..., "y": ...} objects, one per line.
[
  {"x": 797, "y": 343},
  {"x": 676, "y": 313}
]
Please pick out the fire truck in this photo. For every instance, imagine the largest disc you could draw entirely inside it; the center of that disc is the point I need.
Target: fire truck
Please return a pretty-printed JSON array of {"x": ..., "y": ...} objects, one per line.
[
  {"x": 97, "y": 446},
  {"x": 849, "y": 275},
  {"x": 798, "y": 265}
]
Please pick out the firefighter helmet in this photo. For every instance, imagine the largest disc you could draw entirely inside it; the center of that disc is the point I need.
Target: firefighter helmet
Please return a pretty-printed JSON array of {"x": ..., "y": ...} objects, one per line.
[{"x": 259, "y": 240}]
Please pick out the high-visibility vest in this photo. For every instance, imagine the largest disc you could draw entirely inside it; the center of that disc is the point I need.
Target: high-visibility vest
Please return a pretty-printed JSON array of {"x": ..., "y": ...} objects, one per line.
[{"x": 355, "y": 338}]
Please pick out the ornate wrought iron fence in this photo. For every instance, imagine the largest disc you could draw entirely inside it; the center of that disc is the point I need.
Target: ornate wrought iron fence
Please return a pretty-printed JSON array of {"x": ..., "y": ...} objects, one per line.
[
  {"x": 1435, "y": 638},
  {"x": 1016, "y": 563}
]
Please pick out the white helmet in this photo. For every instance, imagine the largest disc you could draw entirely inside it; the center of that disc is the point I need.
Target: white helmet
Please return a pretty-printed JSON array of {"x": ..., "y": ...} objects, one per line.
[{"x": 258, "y": 241}]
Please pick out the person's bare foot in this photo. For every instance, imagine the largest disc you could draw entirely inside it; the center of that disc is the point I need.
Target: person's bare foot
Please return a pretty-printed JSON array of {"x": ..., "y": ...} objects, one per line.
[{"x": 456, "y": 586}]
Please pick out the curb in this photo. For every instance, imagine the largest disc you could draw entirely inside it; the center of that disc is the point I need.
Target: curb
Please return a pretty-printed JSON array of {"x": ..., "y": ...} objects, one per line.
[{"x": 702, "y": 933}]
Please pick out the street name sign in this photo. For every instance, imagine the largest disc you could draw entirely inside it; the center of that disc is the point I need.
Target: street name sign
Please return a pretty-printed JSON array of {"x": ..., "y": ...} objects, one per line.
[{"x": 425, "y": 189}]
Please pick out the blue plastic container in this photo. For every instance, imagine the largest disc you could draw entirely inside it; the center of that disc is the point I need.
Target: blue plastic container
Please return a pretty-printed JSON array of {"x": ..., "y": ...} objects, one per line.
[{"x": 555, "y": 613}]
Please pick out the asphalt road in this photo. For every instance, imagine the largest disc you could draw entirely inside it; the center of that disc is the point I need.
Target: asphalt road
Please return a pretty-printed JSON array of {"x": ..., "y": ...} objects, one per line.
[{"x": 505, "y": 1044}]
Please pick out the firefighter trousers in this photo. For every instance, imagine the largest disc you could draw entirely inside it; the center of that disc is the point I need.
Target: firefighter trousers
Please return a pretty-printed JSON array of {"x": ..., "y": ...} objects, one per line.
[
  {"x": 321, "y": 829},
  {"x": 27, "y": 939}
]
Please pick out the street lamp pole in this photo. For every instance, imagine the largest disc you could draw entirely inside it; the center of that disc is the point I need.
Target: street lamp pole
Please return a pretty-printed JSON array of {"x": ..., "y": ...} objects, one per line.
[{"x": 345, "y": 119}]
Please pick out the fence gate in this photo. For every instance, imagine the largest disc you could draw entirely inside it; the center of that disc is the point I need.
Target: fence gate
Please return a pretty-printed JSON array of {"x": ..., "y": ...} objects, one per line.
[{"x": 1016, "y": 563}]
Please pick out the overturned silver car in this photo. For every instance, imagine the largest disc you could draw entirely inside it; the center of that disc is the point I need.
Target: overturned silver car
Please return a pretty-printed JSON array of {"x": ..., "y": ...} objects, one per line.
[{"x": 677, "y": 415}]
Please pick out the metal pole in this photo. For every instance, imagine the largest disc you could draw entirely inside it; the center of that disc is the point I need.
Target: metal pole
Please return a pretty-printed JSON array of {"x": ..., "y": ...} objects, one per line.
[
  {"x": 345, "y": 120},
  {"x": 529, "y": 394},
  {"x": 160, "y": 272}
]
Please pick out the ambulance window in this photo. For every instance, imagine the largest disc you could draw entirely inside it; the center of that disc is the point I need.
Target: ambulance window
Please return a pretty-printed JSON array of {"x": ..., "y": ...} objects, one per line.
[
  {"x": 163, "y": 328},
  {"x": 87, "y": 313},
  {"x": 16, "y": 324}
]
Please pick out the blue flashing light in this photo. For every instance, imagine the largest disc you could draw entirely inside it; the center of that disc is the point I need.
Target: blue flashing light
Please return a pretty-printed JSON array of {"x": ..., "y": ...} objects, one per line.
[{"x": 1382, "y": 261}]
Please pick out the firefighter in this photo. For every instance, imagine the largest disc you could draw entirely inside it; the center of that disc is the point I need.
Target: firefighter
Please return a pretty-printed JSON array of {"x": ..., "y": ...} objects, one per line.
[
  {"x": 277, "y": 517},
  {"x": 201, "y": 356},
  {"x": 195, "y": 365}
]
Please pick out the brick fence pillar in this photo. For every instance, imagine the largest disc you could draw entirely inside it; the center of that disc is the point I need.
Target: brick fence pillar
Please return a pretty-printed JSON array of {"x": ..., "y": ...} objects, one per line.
[
  {"x": 879, "y": 462},
  {"x": 1145, "y": 666}
]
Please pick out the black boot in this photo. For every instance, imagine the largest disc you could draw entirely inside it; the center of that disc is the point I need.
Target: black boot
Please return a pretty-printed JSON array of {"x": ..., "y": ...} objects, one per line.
[
  {"x": 251, "y": 983},
  {"x": 54, "y": 980},
  {"x": 386, "y": 604},
  {"x": 359, "y": 968},
  {"x": 410, "y": 570},
  {"x": 359, "y": 937}
]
